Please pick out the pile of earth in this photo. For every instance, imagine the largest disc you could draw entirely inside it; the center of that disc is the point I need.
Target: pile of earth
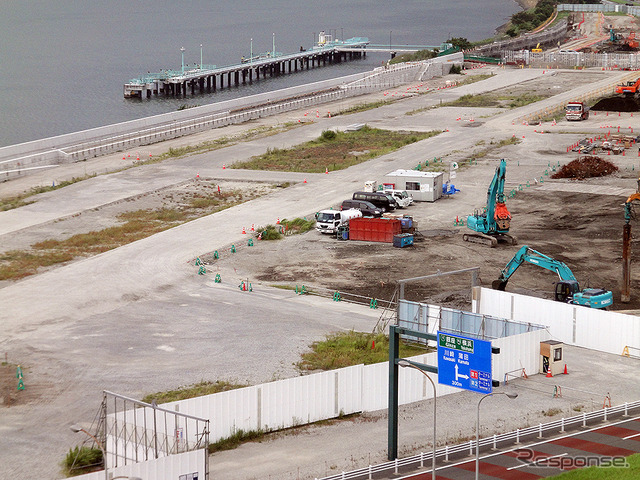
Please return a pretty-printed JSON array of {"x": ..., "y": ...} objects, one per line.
[
  {"x": 617, "y": 104},
  {"x": 586, "y": 167}
]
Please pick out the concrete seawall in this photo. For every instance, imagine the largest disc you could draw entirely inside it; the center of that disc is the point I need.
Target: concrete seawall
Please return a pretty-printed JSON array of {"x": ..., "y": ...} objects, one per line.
[{"x": 19, "y": 160}]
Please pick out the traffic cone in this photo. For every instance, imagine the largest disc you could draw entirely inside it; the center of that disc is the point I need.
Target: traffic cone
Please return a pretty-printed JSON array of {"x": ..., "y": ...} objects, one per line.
[
  {"x": 252, "y": 228},
  {"x": 305, "y": 181},
  {"x": 373, "y": 344},
  {"x": 124, "y": 157},
  {"x": 223, "y": 166},
  {"x": 326, "y": 170},
  {"x": 244, "y": 232},
  {"x": 278, "y": 221},
  {"x": 565, "y": 369},
  {"x": 549, "y": 372},
  {"x": 197, "y": 175}
]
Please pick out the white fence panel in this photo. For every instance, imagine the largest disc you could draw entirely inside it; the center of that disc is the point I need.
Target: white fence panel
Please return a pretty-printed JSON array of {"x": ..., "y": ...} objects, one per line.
[
  {"x": 518, "y": 352},
  {"x": 375, "y": 387},
  {"x": 349, "y": 381},
  {"x": 163, "y": 468},
  {"x": 574, "y": 325},
  {"x": 556, "y": 316},
  {"x": 298, "y": 400}
]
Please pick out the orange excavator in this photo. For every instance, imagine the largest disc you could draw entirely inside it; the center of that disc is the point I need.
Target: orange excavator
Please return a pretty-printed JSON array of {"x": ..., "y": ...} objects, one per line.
[{"x": 630, "y": 88}]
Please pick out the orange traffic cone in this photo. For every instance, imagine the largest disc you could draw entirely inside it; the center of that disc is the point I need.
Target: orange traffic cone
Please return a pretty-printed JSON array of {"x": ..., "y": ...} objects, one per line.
[
  {"x": 224, "y": 166},
  {"x": 305, "y": 181},
  {"x": 278, "y": 221},
  {"x": 252, "y": 228},
  {"x": 549, "y": 373},
  {"x": 326, "y": 170},
  {"x": 565, "y": 369}
]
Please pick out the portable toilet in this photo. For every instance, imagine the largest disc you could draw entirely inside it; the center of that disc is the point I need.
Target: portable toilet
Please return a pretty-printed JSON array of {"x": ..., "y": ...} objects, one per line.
[{"x": 551, "y": 357}]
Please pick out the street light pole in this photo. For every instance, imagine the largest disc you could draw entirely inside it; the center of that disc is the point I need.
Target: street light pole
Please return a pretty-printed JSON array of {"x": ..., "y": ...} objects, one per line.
[
  {"x": 200, "y": 56},
  {"x": 77, "y": 429},
  {"x": 405, "y": 363},
  {"x": 511, "y": 396},
  {"x": 182, "y": 50}
]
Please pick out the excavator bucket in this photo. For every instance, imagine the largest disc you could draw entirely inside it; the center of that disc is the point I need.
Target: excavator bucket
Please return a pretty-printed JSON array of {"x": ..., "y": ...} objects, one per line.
[{"x": 499, "y": 285}]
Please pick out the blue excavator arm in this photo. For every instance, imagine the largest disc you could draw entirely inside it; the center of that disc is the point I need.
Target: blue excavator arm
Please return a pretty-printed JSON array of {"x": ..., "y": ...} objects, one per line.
[{"x": 567, "y": 290}]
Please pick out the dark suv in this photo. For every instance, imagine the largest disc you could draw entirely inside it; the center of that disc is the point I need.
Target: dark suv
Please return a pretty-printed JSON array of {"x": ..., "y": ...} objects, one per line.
[{"x": 368, "y": 209}]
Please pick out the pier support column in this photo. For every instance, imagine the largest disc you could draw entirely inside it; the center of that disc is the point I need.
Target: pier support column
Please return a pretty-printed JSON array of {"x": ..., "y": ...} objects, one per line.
[
  {"x": 229, "y": 79},
  {"x": 237, "y": 77}
]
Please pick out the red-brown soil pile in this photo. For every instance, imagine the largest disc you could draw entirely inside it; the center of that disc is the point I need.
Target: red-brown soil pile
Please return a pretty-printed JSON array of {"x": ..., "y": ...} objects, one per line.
[{"x": 586, "y": 167}]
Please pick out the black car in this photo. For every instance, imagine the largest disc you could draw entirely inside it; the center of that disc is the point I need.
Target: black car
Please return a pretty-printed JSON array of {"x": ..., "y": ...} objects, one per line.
[
  {"x": 368, "y": 209},
  {"x": 383, "y": 201}
]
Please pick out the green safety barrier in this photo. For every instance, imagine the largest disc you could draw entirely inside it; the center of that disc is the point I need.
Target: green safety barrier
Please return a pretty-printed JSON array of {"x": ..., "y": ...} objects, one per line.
[
  {"x": 202, "y": 270},
  {"x": 218, "y": 278},
  {"x": 546, "y": 172},
  {"x": 337, "y": 297},
  {"x": 216, "y": 254},
  {"x": 19, "y": 372},
  {"x": 302, "y": 291},
  {"x": 373, "y": 303},
  {"x": 20, "y": 385},
  {"x": 528, "y": 183},
  {"x": 520, "y": 187},
  {"x": 541, "y": 180},
  {"x": 250, "y": 242},
  {"x": 233, "y": 249},
  {"x": 198, "y": 261}
]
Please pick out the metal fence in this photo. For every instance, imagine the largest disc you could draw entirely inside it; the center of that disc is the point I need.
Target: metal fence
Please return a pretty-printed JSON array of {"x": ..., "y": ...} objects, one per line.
[
  {"x": 448, "y": 453},
  {"x": 133, "y": 431}
]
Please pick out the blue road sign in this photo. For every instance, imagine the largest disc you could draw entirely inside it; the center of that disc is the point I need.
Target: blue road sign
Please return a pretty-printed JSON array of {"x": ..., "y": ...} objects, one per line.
[{"x": 464, "y": 362}]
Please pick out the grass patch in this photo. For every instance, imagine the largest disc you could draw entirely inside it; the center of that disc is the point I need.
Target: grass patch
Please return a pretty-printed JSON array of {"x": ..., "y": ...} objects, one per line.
[
  {"x": 335, "y": 152},
  {"x": 286, "y": 227},
  {"x": 551, "y": 412},
  {"x": 604, "y": 473},
  {"x": 81, "y": 460},
  {"x": 493, "y": 100},
  {"x": 344, "y": 349},
  {"x": 135, "y": 225},
  {"x": 191, "y": 391},
  {"x": 17, "y": 201},
  {"x": 363, "y": 107},
  {"x": 235, "y": 440}
]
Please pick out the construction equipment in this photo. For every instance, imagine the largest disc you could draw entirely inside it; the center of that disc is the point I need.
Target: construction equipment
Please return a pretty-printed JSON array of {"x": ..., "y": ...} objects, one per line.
[
  {"x": 492, "y": 224},
  {"x": 630, "y": 88},
  {"x": 537, "y": 49},
  {"x": 625, "y": 293},
  {"x": 567, "y": 289}
]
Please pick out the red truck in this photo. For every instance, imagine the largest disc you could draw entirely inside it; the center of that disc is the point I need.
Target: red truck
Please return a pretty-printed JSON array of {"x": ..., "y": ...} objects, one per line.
[{"x": 576, "y": 111}]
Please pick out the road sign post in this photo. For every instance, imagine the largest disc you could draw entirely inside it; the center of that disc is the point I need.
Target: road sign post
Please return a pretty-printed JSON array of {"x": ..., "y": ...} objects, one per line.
[{"x": 464, "y": 362}]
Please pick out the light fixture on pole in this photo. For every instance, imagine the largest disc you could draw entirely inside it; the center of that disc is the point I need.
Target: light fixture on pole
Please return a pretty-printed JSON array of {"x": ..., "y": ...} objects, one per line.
[
  {"x": 274, "y": 45},
  {"x": 511, "y": 396},
  {"x": 76, "y": 429},
  {"x": 251, "y": 52},
  {"x": 182, "y": 50},
  {"x": 200, "y": 56},
  {"x": 406, "y": 363}
]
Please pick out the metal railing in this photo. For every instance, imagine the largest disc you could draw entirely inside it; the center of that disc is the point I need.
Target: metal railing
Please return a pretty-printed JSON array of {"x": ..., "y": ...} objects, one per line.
[{"x": 408, "y": 464}]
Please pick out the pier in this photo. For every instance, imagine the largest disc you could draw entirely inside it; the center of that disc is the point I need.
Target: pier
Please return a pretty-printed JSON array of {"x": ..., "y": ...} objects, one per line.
[{"x": 208, "y": 78}]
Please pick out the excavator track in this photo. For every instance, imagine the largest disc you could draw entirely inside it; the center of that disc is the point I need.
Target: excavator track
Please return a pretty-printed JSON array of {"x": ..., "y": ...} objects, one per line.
[{"x": 480, "y": 238}]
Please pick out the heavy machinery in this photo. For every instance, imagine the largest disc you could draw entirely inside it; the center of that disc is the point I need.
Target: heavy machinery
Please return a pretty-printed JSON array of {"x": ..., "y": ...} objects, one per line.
[
  {"x": 576, "y": 111},
  {"x": 629, "y": 214},
  {"x": 492, "y": 224},
  {"x": 567, "y": 289},
  {"x": 630, "y": 88}
]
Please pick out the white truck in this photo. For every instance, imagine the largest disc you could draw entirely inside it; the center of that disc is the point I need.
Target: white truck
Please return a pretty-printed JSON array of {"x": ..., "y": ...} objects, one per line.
[
  {"x": 328, "y": 221},
  {"x": 403, "y": 199}
]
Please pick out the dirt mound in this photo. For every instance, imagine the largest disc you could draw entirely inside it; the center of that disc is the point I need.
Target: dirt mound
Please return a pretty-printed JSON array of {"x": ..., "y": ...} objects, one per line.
[
  {"x": 617, "y": 104},
  {"x": 586, "y": 167}
]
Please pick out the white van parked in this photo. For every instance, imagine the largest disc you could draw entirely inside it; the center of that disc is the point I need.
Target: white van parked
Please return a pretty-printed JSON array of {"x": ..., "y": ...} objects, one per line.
[
  {"x": 328, "y": 221},
  {"x": 403, "y": 199}
]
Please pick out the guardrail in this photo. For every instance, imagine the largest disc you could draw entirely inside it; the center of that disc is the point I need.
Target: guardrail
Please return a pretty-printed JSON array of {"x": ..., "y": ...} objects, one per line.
[{"x": 406, "y": 465}]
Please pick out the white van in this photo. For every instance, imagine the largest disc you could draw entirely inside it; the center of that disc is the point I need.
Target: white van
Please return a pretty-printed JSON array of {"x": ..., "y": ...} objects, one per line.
[
  {"x": 328, "y": 221},
  {"x": 403, "y": 199}
]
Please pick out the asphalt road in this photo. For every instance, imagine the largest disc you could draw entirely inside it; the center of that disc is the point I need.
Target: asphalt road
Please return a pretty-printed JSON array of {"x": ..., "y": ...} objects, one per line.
[{"x": 139, "y": 319}]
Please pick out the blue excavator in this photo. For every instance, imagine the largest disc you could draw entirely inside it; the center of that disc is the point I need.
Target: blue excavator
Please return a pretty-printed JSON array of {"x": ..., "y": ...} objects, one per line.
[
  {"x": 567, "y": 289},
  {"x": 492, "y": 224}
]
